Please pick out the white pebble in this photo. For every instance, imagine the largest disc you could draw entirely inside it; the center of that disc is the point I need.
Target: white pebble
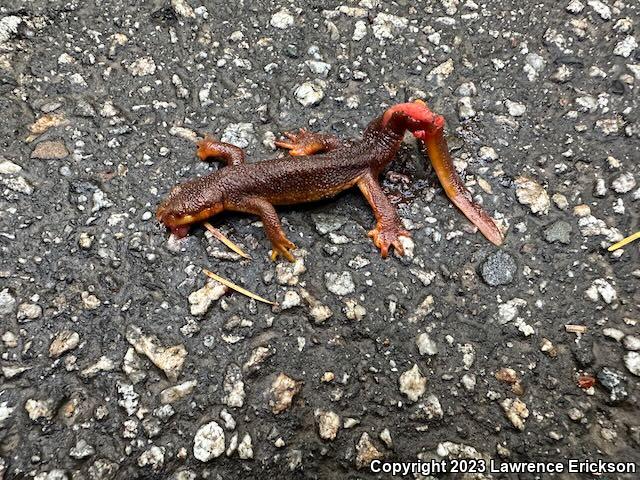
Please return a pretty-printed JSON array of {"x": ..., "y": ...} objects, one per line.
[
  {"x": 282, "y": 19},
  {"x": 626, "y": 47},
  {"x": 515, "y": 109},
  {"x": 360, "y": 31},
  {"x": 310, "y": 93},
  {"x": 208, "y": 442}
]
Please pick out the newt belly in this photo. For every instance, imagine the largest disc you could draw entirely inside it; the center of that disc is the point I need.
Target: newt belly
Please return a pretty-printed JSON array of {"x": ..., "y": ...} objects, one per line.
[{"x": 320, "y": 166}]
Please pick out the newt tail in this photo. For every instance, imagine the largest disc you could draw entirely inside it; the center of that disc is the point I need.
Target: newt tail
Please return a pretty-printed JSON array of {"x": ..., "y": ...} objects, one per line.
[
  {"x": 436, "y": 147},
  {"x": 320, "y": 166}
]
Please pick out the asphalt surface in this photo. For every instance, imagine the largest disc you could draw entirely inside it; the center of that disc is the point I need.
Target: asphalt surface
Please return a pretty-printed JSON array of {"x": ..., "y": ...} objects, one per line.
[{"x": 458, "y": 350}]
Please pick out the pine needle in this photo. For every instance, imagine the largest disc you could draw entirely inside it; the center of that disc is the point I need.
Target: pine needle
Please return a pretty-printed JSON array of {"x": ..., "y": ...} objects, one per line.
[
  {"x": 235, "y": 287},
  {"x": 220, "y": 236},
  {"x": 624, "y": 241}
]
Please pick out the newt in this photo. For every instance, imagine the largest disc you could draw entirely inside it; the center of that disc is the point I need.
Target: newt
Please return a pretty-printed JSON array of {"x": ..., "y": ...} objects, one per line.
[{"x": 320, "y": 166}]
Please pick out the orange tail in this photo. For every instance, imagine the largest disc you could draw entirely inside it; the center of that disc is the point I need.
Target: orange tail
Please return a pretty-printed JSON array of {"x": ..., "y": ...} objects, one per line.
[{"x": 438, "y": 152}]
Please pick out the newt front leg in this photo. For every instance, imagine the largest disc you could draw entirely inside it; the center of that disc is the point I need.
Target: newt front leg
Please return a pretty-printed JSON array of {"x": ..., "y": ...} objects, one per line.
[
  {"x": 281, "y": 245},
  {"x": 388, "y": 227}
]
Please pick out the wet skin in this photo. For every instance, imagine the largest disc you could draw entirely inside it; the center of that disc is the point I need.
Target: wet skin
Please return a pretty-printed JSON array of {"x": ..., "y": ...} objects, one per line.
[{"x": 320, "y": 166}]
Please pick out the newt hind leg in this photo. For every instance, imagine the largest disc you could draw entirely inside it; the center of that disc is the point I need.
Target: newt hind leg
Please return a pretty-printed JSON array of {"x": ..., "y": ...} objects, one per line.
[
  {"x": 281, "y": 245},
  {"x": 210, "y": 149},
  {"x": 307, "y": 143}
]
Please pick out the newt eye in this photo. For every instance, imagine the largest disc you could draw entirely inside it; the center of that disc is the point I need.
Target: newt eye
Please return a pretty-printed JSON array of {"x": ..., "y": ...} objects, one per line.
[{"x": 172, "y": 207}]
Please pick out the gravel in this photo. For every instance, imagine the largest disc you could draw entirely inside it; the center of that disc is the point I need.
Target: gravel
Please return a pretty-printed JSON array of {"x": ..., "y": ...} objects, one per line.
[
  {"x": 28, "y": 311},
  {"x": 426, "y": 346},
  {"x": 283, "y": 389},
  {"x": 367, "y": 452},
  {"x": 142, "y": 66},
  {"x": 515, "y": 109},
  {"x": 50, "y": 150},
  {"x": 631, "y": 342},
  {"x": 624, "y": 183},
  {"x": 39, "y": 409},
  {"x": 632, "y": 362},
  {"x": 239, "y": 134},
  {"x": 168, "y": 359},
  {"x": 615, "y": 382},
  {"x": 339, "y": 283},
  {"x": 558, "y": 232},
  {"x": 387, "y": 26},
  {"x": 201, "y": 299},
  {"x": 209, "y": 442},
  {"x": 63, "y": 342},
  {"x": 177, "y": 392},
  {"x": 465, "y": 108},
  {"x": 516, "y": 411},
  {"x": 328, "y": 424},
  {"x": 498, "y": 269},
  {"x": 412, "y": 383},
  {"x": 282, "y": 19},
  {"x": 531, "y": 193},
  {"x": 245, "y": 448},
  {"x": 81, "y": 450},
  {"x": 121, "y": 360},
  {"x": 310, "y": 93}
]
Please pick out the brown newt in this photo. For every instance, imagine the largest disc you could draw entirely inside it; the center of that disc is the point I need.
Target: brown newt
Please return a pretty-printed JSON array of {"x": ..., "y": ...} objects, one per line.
[{"x": 320, "y": 166}]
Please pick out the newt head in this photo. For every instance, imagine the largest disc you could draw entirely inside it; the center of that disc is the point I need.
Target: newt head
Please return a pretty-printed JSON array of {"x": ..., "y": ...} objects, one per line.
[{"x": 189, "y": 203}]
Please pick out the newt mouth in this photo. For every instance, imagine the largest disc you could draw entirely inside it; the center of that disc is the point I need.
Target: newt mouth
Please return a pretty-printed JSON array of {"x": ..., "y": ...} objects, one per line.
[
  {"x": 179, "y": 224},
  {"x": 178, "y": 228}
]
